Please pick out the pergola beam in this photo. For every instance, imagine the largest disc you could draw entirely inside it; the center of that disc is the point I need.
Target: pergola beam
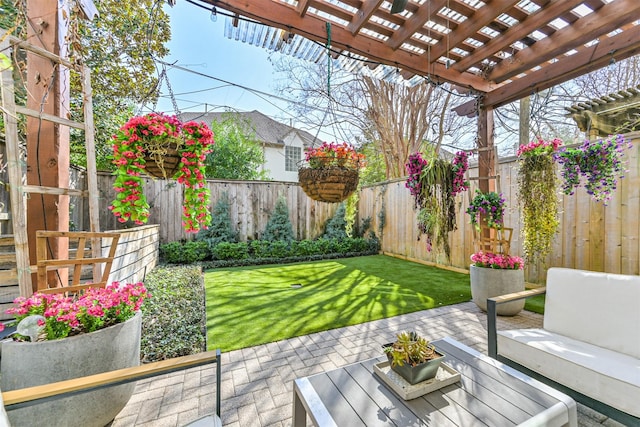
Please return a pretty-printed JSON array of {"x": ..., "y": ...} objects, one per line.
[
  {"x": 477, "y": 21},
  {"x": 618, "y": 47},
  {"x": 590, "y": 27},
  {"x": 363, "y": 15},
  {"x": 517, "y": 32},
  {"x": 282, "y": 15},
  {"x": 417, "y": 21}
]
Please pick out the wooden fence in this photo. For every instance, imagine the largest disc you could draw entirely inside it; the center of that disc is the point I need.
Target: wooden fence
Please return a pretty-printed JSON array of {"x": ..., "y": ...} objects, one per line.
[
  {"x": 251, "y": 202},
  {"x": 591, "y": 236}
]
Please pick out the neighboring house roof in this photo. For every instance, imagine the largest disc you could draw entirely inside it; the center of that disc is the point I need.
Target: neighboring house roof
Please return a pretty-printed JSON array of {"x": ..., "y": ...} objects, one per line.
[{"x": 267, "y": 130}]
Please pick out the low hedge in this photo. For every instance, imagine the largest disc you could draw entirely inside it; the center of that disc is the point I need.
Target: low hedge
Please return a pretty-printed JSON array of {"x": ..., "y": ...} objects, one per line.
[
  {"x": 173, "y": 318},
  {"x": 266, "y": 252}
]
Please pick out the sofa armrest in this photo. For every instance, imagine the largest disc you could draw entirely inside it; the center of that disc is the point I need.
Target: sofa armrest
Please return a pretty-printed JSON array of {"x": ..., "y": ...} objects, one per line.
[
  {"x": 492, "y": 315},
  {"x": 28, "y": 396}
]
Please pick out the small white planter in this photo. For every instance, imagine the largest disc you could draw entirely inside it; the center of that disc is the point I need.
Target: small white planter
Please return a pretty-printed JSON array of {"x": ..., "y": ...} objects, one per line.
[
  {"x": 26, "y": 364},
  {"x": 492, "y": 282}
]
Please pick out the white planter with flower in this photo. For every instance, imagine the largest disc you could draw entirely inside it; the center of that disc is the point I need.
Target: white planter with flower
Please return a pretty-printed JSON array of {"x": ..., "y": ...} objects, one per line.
[
  {"x": 493, "y": 275},
  {"x": 95, "y": 333}
]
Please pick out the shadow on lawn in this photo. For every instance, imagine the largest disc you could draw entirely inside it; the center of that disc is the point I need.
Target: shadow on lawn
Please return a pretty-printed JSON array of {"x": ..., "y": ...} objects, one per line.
[{"x": 254, "y": 305}]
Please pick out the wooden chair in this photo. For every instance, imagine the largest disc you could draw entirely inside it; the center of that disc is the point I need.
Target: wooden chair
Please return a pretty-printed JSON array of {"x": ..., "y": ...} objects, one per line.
[
  {"x": 44, "y": 264},
  {"x": 32, "y": 395},
  {"x": 497, "y": 241}
]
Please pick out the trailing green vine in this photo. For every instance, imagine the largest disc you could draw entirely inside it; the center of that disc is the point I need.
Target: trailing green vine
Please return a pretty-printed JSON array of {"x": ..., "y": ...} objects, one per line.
[
  {"x": 351, "y": 209},
  {"x": 537, "y": 182},
  {"x": 434, "y": 184}
]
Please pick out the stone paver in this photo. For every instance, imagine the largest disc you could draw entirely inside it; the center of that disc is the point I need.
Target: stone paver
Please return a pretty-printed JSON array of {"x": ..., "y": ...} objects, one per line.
[{"x": 257, "y": 383}]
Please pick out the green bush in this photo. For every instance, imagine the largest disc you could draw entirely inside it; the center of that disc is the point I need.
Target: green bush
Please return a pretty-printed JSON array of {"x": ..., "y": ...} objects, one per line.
[
  {"x": 184, "y": 253},
  {"x": 278, "y": 226},
  {"x": 173, "y": 319},
  {"x": 172, "y": 252},
  {"x": 259, "y": 249},
  {"x": 335, "y": 227},
  {"x": 227, "y": 250},
  {"x": 262, "y": 251},
  {"x": 221, "y": 229}
]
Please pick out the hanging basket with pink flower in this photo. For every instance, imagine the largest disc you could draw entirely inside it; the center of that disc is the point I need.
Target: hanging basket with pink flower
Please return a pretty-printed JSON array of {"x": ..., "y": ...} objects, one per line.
[
  {"x": 161, "y": 146},
  {"x": 332, "y": 172}
]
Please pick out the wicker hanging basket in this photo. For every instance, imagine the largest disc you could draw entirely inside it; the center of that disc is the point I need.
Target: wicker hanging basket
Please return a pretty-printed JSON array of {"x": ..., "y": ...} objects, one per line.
[
  {"x": 330, "y": 185},
  {"x": 162, "y": 162}
]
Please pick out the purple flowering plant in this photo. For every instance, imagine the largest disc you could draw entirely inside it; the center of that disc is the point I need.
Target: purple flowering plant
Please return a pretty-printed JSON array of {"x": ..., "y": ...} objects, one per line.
[
  {"x": 497, "y": 261},
  {"x": 488, "y": 207},
  {"x": 94, "y": 309},
  {"x": 597, "y": 165}
]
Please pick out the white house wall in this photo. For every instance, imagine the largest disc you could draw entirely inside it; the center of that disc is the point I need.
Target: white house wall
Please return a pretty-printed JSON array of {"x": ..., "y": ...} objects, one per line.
[{"x": 275, "y": 159}]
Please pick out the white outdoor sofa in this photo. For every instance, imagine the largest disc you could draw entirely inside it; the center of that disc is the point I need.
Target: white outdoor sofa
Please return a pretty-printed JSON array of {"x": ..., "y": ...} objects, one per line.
[{"x": 589, "y": 345}]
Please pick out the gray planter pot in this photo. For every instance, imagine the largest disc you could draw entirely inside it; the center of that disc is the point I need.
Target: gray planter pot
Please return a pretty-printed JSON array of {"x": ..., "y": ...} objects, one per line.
[
  {"x": 26, "y": 364},
  {"x": 491, "y": 282},
  {"x": 415, "y": 374}
]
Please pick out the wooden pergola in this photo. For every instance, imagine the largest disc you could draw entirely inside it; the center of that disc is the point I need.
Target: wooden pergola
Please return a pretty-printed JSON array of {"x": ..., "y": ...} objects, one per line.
[{"x": 500, "y": 50}]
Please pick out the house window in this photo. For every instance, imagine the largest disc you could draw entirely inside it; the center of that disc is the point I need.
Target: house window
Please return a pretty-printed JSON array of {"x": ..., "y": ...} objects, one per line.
[{"x": 292, "y": 155}]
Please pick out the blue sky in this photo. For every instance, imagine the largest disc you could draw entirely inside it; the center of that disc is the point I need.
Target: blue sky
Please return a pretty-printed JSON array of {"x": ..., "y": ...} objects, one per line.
[{"x": 199, "y": 45}]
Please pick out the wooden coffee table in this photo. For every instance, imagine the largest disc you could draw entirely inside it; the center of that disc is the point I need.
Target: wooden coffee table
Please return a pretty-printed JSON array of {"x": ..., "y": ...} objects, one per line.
[{"x": 489, "y": 393}]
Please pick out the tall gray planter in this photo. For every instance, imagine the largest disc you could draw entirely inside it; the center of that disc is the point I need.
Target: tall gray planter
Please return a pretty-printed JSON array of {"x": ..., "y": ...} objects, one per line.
[
  {"x": 26, "y": 364},
  {"x": 492, "y": 282}
]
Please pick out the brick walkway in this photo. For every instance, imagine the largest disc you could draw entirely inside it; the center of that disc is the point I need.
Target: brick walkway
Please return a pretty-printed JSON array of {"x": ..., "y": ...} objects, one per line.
[{"x": 257, "y": 381}]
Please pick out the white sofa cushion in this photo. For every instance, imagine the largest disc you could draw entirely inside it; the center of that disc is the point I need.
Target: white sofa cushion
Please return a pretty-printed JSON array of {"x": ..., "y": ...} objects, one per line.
[
  {"x": 608, "y": 376},
  {"x": 598, "y": 308}
]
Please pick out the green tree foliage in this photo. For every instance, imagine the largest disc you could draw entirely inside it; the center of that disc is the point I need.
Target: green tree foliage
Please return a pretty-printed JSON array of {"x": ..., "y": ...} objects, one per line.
[
  {"x": 119, "y": 46},
  {"x": 279, "y": 225},
  {"x": 221, "y": 229},
  {"x": 375, "y": 170},
  {"x": 236, "y": 153}
]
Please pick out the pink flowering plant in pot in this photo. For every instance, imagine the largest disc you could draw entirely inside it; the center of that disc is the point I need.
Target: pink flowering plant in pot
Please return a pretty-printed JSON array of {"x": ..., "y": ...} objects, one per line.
[
  {"x": 497, "y": 261},
  {"x": 492, "y": 275},
  {"x": 151, "y": 137},
  {"x": 57, "y": 316}
]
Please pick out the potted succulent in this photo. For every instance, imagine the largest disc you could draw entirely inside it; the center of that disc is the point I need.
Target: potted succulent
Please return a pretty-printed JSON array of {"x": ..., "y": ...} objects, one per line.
[
  {"x": 493, "y": 275},
  {"x": 331, "y": 173},
  {"x": 60, "y": 338},
  {"x": 161, "y": 146},
  {"x": 413, "y": 357}
]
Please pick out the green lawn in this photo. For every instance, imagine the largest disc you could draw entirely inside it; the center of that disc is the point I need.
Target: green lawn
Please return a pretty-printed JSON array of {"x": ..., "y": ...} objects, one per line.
[{"x": 247, "y": 306}]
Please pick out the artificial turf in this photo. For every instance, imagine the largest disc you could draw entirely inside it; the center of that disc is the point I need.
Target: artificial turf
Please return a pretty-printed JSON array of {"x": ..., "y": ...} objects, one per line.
[{"x": 248, "y": 306}]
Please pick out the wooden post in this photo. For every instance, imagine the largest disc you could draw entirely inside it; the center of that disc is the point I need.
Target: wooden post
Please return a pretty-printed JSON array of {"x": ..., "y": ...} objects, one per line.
[
  {"x": 486, "y": 158},
  {"x": 47, "y": 143},
  {"x": 525, "y": 113}
]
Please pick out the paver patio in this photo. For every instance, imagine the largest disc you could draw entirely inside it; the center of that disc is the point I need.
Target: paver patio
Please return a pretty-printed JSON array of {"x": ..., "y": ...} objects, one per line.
[{"x": 257, "y": 381}]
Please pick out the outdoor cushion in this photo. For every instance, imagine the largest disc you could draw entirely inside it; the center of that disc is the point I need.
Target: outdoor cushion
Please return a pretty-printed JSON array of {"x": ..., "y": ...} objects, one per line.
[
  {"x": 597, "y": 308},
  {"x": 605, "y": 375}
]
